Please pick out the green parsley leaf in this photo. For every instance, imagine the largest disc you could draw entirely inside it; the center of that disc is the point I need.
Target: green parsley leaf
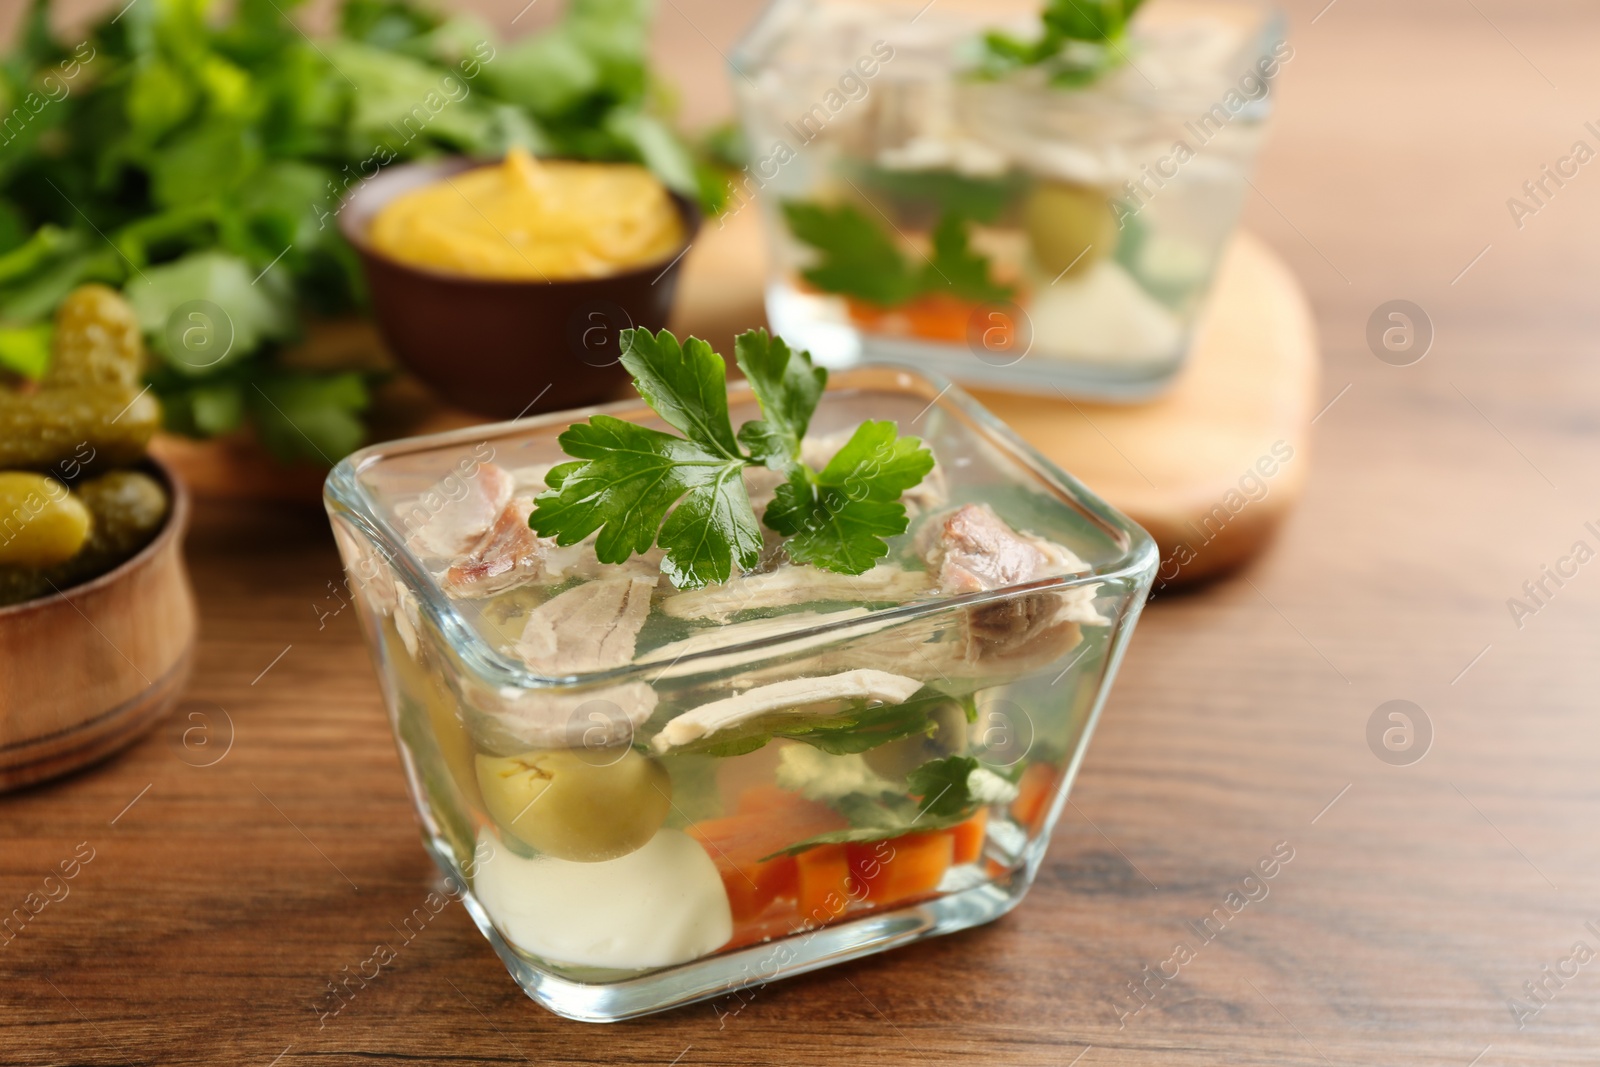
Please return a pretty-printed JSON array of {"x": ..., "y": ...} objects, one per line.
[
  {"x": 958, "y": 268},
  {"x": 942, "y": 785},
  {"x": 686, "y": 385},
  {"x": 631, "y": 480},
  {"x": 633, "y": 486},
  {"x": 856, "y": 257},
  {"x": 839, "y": 518},
  {"x": 1079, "y": 41},
  {"x": 312, "y": 417},
  {"x": 25, "y": 350},
  {"x": 787, "y": 388},
  {"x": 1089, "y": 20}
]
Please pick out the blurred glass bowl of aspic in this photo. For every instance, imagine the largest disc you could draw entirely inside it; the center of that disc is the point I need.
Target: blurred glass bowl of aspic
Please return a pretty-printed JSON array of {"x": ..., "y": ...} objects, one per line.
[{"x": 1019, "y": 202}]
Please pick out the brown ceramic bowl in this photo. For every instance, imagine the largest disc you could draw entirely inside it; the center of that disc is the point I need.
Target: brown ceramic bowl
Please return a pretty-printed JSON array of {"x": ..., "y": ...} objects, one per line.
[
  {"x": 505, "y": 348},
  {"x": 89, "y": 671}
]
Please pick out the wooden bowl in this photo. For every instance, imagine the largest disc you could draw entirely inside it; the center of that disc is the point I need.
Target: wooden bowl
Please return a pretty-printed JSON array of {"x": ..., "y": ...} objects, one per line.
[
  {"x": 506, "y": 348},
  {"x": 87, "y": 672}
]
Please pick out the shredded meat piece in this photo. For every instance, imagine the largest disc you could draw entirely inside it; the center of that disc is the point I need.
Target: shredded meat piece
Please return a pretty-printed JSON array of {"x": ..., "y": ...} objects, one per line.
[
  {"x": 789, "y": 585},
  {"x": 590, "y": 627},
  {"x": 588, "y": 719},
  {"x": 507, "y": 554},
  {"x": 795, "y": 693},
  {"x": 460, "y": 521}
]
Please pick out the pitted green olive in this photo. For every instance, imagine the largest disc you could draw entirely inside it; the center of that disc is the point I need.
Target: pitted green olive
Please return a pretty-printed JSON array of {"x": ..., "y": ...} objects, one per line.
[
  {"x": 1070, "y": 227},
  {"x": 572, "y": 806}
]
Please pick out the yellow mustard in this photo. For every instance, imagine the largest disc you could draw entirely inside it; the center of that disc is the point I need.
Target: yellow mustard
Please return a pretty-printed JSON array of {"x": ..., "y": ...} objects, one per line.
[{"x": 531, "y": 219}]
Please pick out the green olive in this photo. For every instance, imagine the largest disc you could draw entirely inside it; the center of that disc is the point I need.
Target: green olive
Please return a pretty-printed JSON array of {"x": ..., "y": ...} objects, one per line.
[
  {"x": 41, "y": 523},
  {"x": 1070, "y": 227},
  {"x": 567, "y": 805},
  {"x": 947, "y": 738}
]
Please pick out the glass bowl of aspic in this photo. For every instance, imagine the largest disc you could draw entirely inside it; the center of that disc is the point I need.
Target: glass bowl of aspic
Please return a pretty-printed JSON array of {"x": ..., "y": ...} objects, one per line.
[{"x": 733, "y": 682}]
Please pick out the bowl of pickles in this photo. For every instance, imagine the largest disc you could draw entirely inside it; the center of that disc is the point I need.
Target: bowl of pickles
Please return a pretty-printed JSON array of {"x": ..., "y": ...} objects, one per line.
[{"x": 97, "y": 620}]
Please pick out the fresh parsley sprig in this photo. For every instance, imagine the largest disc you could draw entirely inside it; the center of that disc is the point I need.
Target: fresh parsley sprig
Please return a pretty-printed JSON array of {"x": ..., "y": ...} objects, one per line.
[
  {"x": 855, "y": 257},
  {"x": 637, "y": 486},
  {"x": 1080, "y": 40}
]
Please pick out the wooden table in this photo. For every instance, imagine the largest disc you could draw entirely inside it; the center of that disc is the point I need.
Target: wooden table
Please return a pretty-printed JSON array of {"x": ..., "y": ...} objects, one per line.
[{"x": 222, "y": 899}]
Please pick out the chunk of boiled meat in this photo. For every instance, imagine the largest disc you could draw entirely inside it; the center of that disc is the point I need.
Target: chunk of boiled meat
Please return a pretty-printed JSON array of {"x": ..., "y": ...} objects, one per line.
[
  {"x": 973, "y": 550},
  {"x": 977, "y": 551},
  {"x": 463, "y": 516},
  {"x": 593, "y": 718},
  {"x": 507, "y": 553},
  {"x": 590, "y": 627}
]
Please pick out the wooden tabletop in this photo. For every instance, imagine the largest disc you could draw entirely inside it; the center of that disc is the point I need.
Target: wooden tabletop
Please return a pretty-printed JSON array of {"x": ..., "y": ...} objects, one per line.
[{"x": 221, "y": 900}]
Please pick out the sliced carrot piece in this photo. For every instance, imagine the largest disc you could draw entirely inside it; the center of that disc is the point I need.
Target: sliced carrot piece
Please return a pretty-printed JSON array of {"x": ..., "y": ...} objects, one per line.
[
  {"x": 1034, "y": 793},
  {"x": 967, "y": 838},
  {"x": 823, "y": 883},
  {"x": 901, "y": 868},
  {"x": 742, "y": 846},
  {"x": 938, "y": 317}
]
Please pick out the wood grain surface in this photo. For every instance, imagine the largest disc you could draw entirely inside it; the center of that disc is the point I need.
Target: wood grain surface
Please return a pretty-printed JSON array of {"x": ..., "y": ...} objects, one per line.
[{"x": 220, "y": 900}]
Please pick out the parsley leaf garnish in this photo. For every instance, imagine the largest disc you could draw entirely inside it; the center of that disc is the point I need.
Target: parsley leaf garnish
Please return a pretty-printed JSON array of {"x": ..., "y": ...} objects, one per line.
[
  {"x": 635, "y": 486},
  {"x": 1080, "y": 41},
  {"x": 955, "y": 264},
  {"x": 838, "y": 517},
  {"x": 788, "y": 388},
  {"x": 856, "y": 258}
]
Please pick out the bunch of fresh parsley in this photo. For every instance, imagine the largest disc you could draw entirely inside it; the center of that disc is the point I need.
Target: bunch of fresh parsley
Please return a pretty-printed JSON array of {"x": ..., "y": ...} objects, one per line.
[
  {"x": 196, "y": 150},
  {"x": 639, "y": 487},
  {"x": 858, "y": 258},
  {"x": 1081, "y": 39}
]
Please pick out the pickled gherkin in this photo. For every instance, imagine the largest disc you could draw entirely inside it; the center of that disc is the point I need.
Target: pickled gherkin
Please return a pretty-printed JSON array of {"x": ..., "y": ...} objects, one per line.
[
  {"x": 41, "y": 523},
  {"x": 97, "y": 342},
  {"x": 121, "y": 513},
  {"x": 128, "y": 508},
  {"x": 90, "y": 402},
  {"x": 49, "y": 427}
]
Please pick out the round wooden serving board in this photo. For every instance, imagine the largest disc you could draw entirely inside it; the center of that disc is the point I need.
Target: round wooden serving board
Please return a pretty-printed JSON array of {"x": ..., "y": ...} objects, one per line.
[{"x": 1210, "y": 468}]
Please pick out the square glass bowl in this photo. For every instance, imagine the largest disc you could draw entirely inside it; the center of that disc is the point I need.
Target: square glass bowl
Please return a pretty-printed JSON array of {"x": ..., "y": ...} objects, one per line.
[
  {"x": 1055, "y": 225},
  {"x": 902, "y": 783}
]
